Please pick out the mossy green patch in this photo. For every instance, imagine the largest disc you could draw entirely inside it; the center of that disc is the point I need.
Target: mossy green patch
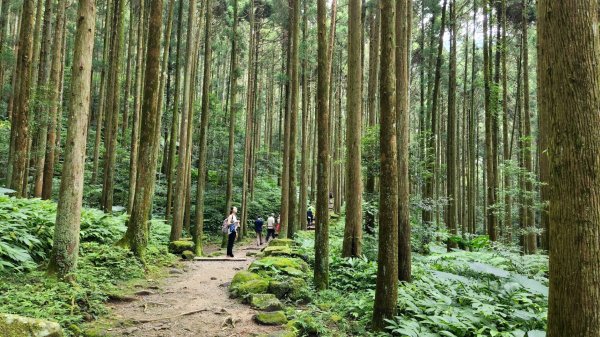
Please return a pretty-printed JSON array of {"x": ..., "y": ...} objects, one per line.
[
  {"x": 278, "y": 262},
  {"x": 265, "y": 302},
  {"x": 18, "y": 326},
  {"x": 271, "y": 318},
  {"x": 281, "y": 242},
  {"x": 296, "y": 289},
  {"x": 187, "y": 255},
  {"x": 178, "y": 247},
  {"x": 243, "y": 276}
]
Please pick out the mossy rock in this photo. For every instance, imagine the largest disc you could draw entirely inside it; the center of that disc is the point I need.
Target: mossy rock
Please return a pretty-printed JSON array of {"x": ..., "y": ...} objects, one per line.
[
  {"x": 178, "y": 247},
  {"x": 246, "y": 283},
  {"x": 279, "y": 262},
  {"x": 295, "y": 289},
  {"x": 18, "y": 326},
  {"x": 265, "y": 302},
  {"x": 284, "y": 251},
  {"x": 187, "y": 255},
  {"x": 271, "y": 318},
  {"x": 242, "y": 277},
  {"x": 281, "y": 242}
]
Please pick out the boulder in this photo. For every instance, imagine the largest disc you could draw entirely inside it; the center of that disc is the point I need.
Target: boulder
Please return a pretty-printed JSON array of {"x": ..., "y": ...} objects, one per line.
[
  {"x": 271, "y": 318},
  {"x": 245, "y": 283},
  {"x": 18, "y": 326},
  {"x": 296, "y": 289},
  {"x": 265, "y": 302},
  {"x": 187, "y": 255},
  {"x": 178, "y": 247}
]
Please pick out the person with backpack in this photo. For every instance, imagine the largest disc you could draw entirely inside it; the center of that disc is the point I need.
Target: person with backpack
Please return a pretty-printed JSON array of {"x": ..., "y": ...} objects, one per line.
[
  {"x": 258, "y": 228},
  {"x": 270, "y": 227},
  {"x": 230, "y": 227}
]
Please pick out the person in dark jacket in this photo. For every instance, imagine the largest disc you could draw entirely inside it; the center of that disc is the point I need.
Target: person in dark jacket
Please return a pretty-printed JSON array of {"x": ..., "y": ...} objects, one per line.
[{"x": 258, "y": 228}]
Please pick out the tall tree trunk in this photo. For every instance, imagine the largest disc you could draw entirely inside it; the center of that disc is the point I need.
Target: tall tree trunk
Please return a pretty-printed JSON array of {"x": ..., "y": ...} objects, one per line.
[
  {"x": 181, "y": 185},
  {"x": 321, "y": 273},
  {"x": 451, "y": 146},
  {"x": 175, "y": 125},
  {"x": 490, "y": 151},
  {"x": 55, "y": 99},
  {"x": 138, "y": 230},
  {"x": 531, "y": 238},
  {"x": 203, "y": 132},
  {"x": 386, "y": 292},
  {"x": 112, "y": 105},
  {"x": 353, "y": 227},
  {"x": 432, "y": 151},
  {"x": 233, "y": 108},
  {"x": 506, "y": 141},
  {"x": 403, "y": 43},
  {"x": 135, "y": 130},
  {"x": 569, "y": 103},
  {"x": 43, "y": 87},
  {"x": 304, "y": 166},
  {"x": 294, "y": 94},
  {"x": 20, "y": 117},
  {"x": 63, "y": 259}
]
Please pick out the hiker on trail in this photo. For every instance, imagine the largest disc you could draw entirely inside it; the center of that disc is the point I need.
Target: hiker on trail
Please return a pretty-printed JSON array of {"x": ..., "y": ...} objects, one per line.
[
  {"x": 309, "y": 217},
  {"x": 234, "y": 223},
  {"x": 278, "y": 225},
  {"x": 258, "y": 228},
  {"x": 270, "y": 227}
]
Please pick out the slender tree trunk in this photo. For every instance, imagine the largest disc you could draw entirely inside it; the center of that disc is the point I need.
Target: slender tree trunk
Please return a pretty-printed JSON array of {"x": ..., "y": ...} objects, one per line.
[
  {"x": 321, "y": 273},
  {"x": 353, "y": 229},
  {"x": 20, "y": 117},
  {"x": 304, "y": 166},
  {"x": 574, "y": 145},
  {"x": 203, "y": 132},
  {"x": 175, "y": 125},
  {"x": 294, "y": 94},
  {"x": 181, "y": 185},
  {"x": 403, "y": 43},
  {"x": 63, "y": 259},
  {"x": 233, "y": 108},
  {"x": 138, "y": 230},
  {"x": 432, "y": 148},
  {"x": 113, "y": 102},
  {"x": 135, "y": 130},
  {"x": 386, "y": 292},
  {"x": 451, "y": 147}
]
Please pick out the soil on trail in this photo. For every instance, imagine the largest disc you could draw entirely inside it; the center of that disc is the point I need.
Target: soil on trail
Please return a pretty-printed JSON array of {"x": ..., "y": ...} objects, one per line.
[{"x": 193, "y": 301}]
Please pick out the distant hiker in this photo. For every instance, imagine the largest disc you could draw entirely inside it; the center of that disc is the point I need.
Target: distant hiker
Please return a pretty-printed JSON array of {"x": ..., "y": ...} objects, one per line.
[
  {"x": 278, "y": 225},
  {"x": 309, "y": 217},
  {"x": 270, "y": 227},
  {"x": 331, "y": 201},
  {"x": 258, "y": 228},
  {"x": 233, "y": 224}
]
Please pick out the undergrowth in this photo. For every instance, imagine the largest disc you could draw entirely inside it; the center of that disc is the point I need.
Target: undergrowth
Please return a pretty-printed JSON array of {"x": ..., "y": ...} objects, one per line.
[
  {"x": 25, "y": 242},
  {"x": 487, "y": 292}
]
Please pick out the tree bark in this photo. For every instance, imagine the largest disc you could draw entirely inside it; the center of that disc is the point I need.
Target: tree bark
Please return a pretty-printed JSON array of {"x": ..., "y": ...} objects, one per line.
[
  {"x": 321, "y": 273},
  {"x": 386, "y": 291},
  {"x": 138, "y": 230},
  {"x": 63, "y": 259},
  {"x": 571, "y": 97},
  {"x": 451, "y": 146},
  {"x": 353, "y": 227}
]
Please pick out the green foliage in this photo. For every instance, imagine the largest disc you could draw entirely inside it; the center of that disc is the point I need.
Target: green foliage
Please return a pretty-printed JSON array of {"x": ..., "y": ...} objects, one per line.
[{"x": 28, "y": 227}]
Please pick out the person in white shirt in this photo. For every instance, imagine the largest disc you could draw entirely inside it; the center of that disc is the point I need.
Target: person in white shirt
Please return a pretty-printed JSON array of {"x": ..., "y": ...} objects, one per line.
[
  {"x": 270, "y": 227},
  {"x": 234, "y": 223}
]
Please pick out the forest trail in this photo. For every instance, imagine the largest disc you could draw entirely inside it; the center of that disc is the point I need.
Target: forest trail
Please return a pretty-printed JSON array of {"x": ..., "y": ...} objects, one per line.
[{"x": 193, "y": 301}]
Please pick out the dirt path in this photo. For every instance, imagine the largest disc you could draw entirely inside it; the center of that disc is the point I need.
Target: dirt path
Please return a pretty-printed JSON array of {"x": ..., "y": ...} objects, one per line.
[{"x": 199, "y": 289}]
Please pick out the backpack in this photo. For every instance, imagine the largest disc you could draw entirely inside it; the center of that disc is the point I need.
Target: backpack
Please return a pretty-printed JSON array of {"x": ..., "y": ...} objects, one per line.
[{"x": 225, "y": 227}]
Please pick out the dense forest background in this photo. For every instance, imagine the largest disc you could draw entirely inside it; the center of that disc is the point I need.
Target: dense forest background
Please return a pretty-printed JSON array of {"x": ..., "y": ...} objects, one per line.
[{"x": 411, "y": 129}]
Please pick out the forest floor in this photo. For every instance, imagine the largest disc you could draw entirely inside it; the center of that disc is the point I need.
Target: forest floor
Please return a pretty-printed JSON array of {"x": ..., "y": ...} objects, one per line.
[{"x": 192, "y": 301}]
